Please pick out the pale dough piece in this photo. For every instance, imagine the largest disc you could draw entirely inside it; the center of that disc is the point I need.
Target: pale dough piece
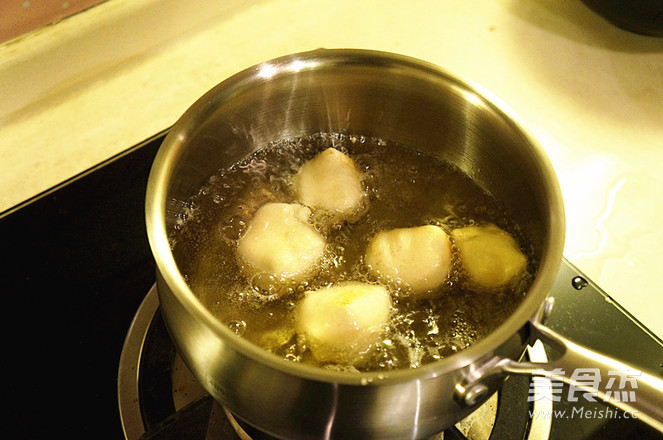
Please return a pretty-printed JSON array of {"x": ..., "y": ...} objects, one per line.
[
  {"x": 419, "y": 257},
  {"x": 330, "y": 181},
  {"x": 490, "y": 256},
  {"x": 280, "y": 247},
  {"x": 343, "y": 321}
]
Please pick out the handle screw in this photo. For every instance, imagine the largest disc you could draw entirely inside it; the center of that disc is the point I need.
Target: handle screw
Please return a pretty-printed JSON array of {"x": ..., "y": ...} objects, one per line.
[{"x": 475, "y": 394}]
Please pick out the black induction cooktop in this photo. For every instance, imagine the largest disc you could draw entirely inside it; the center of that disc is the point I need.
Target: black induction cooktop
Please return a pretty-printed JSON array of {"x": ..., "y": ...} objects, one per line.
[{"x": 76, "y": 265}]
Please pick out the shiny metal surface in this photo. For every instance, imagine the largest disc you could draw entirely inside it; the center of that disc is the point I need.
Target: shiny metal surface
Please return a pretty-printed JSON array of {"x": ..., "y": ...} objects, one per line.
[
  {"x": 366, "y": 93},
  {"x": 128, "y": 377},
  {"x": 647, "y": 404},
  {"x": 595, "y": 336},
  {"x": 138, "y": 421}
]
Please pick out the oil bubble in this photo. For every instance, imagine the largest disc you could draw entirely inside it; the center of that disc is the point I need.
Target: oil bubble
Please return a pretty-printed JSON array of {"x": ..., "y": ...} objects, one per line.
[{"x": 237, "y": 326}]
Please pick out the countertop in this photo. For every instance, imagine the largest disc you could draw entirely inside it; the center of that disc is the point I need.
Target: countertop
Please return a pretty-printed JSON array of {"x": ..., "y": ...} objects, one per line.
[{"x": 87, "y": 88}]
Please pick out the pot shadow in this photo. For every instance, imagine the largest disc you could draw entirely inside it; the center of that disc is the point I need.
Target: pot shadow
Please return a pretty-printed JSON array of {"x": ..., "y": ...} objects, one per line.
[
  {"x": 595, "y": 65},
  {"x": 573, "y": 20}
]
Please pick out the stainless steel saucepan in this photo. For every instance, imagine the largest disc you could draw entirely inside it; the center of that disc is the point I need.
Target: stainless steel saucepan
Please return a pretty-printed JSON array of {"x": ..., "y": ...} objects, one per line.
[{"x": 402, "y": 100}]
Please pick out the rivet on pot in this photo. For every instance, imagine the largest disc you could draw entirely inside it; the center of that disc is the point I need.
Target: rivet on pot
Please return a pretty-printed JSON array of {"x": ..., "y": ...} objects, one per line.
[{"x": 475, "y": 394}]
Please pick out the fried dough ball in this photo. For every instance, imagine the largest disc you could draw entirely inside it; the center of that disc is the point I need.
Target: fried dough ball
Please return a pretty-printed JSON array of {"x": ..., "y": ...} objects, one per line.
[
  {"x": 419, "y": 257},
  {"x": 280, "y": 247},
  {"x": 330, "y": 181},
  {"x": 343, "y": 321},
  {"x": 490, "y": 256}
]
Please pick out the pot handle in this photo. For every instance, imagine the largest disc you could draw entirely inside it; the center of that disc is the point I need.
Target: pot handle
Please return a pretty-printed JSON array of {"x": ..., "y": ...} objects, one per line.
[{"x": 600, "y": 377}]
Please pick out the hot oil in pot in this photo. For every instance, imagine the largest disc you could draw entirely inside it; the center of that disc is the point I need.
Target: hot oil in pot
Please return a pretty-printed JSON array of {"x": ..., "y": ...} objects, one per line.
[{"x": 405, "y": 188}]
